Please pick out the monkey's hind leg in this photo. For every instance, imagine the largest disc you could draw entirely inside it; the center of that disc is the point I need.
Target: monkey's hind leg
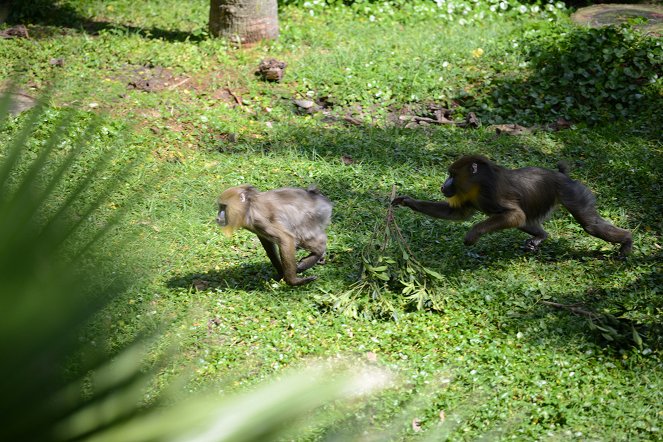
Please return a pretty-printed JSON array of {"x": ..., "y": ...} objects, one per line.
[
  {"x": 582, "y": 205},
  {"x": 309, "y": 261},
  {"x": 317, "y": 255},
  {"x": 539, "y": 235}
]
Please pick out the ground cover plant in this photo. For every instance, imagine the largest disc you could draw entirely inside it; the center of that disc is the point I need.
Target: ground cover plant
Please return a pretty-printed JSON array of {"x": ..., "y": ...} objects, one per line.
[{"x": 563, "y": 343}]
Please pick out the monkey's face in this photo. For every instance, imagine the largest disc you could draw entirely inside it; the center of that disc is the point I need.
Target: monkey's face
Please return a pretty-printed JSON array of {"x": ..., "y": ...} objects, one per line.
[
  {"x": 449, "y": 188},
  {"x": 224, "y": 220},
  {"x": 462, "y": 185},
  {"x": 233, "y": 204},
  {"x": 458, "y": 183},
  {"x": 221, "y": 217}
]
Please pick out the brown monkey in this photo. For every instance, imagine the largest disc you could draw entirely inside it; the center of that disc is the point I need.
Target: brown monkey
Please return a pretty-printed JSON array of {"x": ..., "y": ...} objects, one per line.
[
  {"x": 287, "y": 219},
  {"x": 520, "y": 198}
]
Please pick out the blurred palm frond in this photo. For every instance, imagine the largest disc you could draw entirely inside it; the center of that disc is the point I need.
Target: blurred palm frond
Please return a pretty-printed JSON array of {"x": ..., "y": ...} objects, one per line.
[{"x": 57, "y": 275}]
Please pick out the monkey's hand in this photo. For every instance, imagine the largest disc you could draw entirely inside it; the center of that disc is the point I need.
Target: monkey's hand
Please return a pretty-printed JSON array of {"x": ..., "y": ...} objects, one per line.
[{"x": 401, "y": 201}]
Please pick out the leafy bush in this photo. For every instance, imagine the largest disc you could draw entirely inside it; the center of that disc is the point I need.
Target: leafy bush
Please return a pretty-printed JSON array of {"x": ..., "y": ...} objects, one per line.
[
  {"x": 464, "y": 12},
  {"x": 584, "y": 75}
]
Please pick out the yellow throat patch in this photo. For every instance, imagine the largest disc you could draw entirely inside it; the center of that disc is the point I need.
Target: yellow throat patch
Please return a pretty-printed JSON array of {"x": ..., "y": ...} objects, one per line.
[
  {"x": 228, "y": 230},
  {"x": 461, "y": 198}
]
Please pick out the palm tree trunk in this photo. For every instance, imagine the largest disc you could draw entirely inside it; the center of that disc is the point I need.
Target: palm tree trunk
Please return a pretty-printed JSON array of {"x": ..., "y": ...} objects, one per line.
[{"x": 244, "y": 21}]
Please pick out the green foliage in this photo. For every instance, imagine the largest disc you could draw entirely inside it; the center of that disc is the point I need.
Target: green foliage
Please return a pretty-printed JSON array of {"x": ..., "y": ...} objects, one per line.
[
  {"x": 583, "y": 74},
  {"x": 411, "y": 11},
  {"x": 497, "y": 361},
  {"x": 55, "y": 276},
  {"x": 390, "y": 280}
]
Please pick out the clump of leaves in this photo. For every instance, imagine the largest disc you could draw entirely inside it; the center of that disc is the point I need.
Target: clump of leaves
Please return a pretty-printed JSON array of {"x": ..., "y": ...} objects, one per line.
[
  {"x": 391, "y": 279},
  {"x": 619, "y": 331},
  {"x": 584, "y": 74}
]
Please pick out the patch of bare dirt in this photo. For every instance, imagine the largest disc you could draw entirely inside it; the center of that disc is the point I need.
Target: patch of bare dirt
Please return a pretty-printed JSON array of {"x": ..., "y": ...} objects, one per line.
[{"x": 148, "y": 78}]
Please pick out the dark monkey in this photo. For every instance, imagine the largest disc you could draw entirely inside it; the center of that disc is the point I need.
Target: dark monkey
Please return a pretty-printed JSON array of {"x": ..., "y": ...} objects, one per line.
[
  {"x": 287, "y": 219},
  {"x": 515, "y": 198}
]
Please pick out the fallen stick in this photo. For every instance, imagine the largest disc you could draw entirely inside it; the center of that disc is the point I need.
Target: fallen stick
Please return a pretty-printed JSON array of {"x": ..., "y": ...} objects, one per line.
[{"x": 573, "y": 308}]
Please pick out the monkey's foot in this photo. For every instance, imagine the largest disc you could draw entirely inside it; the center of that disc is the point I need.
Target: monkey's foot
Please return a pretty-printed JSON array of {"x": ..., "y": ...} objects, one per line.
[
  {"x": 531, "y": 245},
  {"x": 626, "y": 248},
  {"x": 301, "y": 281}
]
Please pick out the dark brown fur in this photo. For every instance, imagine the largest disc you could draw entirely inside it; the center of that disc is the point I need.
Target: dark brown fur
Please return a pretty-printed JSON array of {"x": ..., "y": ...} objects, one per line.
[
  {"x": 285, "y": 219},
  {"x": 515, "y": 198}
]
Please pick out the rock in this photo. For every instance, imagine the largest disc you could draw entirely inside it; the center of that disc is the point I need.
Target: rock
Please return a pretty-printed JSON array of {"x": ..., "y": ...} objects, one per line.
[
  {"x": 610, "y": 14},
  {"x": 271, "y": 70},
  {"x": 18, "y": 31},
  {"x": 304, "y": 104},
  {"x": 511, "y": 129}
]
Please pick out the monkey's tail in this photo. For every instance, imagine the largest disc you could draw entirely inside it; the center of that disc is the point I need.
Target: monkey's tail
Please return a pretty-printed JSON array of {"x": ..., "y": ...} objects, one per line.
[{"x": 563, "y": 167}]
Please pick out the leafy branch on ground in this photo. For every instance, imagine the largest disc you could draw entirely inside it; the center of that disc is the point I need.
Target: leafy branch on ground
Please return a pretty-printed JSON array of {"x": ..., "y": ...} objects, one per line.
[{"x": 391, "y": 279}]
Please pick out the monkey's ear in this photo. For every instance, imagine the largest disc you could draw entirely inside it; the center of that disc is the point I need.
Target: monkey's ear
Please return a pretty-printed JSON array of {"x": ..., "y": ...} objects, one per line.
[
  {"x": 242, "y": 197},
  {"x": 475, "y": 168}
]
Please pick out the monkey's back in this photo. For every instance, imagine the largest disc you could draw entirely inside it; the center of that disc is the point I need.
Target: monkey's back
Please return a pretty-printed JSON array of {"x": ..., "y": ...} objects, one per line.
[
  {"x": 303, "y": 212},
  {"x": 537, "y": 190}
]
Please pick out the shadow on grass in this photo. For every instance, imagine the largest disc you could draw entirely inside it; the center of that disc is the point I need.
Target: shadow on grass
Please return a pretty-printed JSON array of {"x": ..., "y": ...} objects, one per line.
[
  {"x": 619, "y": 318},
  {"x": 620, "y": 164},
  {"x": 244, "y": 276},
  {"x": 59, "y": 14},
  {"x": 247, "y": 276}
]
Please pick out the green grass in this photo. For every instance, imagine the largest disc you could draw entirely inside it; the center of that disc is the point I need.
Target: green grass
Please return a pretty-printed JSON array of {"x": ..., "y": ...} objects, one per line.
[{"x": 495, "y": 359}]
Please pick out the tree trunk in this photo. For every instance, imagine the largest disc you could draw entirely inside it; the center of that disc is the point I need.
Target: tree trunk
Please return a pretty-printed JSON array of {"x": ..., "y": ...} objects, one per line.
[{"x": 244, "y": 21}]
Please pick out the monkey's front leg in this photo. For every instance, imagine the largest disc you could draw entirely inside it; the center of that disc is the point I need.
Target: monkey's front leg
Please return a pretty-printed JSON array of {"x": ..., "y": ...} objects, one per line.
[
  {"x": 513, "y": 218},
  {"x": 270, "y": 248},
  {"x": 288, "y": 262},
  {"x": 436, "y": 209}
]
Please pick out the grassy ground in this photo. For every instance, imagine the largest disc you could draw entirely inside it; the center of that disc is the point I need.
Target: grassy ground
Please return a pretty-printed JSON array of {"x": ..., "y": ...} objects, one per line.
[{"x": 494, "y": 358}]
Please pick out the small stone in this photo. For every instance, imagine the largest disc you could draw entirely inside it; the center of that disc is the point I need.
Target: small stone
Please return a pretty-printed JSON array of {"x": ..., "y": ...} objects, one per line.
[
  {"x": 304, "y": 104},
  {"x": 271, "y": 70}
]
